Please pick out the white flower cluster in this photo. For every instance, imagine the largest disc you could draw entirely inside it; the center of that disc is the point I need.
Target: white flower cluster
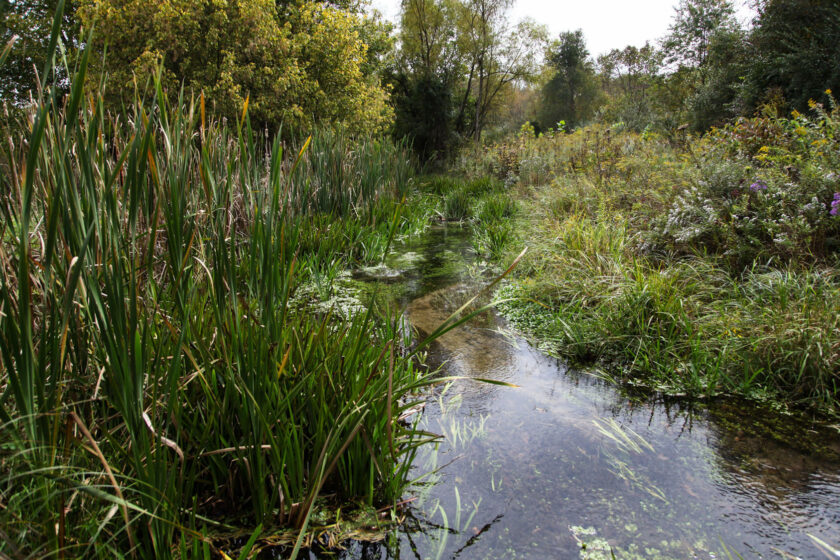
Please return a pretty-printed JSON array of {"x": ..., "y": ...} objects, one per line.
[
  {"x": 814, "y": 209},
  {"x": 691, "y": 216}
]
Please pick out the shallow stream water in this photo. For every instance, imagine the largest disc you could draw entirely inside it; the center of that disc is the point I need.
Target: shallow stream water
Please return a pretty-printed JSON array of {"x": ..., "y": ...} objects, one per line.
[{"x": 566, "y": 465}]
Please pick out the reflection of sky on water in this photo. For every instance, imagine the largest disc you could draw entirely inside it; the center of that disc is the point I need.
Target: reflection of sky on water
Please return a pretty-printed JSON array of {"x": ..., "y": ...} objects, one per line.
[{"x": 566, "y": 458}]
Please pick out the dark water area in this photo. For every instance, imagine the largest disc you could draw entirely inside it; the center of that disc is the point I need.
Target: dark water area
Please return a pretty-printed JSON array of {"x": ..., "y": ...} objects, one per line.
[{"x": 566, "y": 465}]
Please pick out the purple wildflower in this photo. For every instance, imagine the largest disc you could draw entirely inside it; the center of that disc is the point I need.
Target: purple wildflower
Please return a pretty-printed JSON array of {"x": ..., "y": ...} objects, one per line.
[
  {"x": 835, "y": 204},
  {"x": 758, "y": 186}
]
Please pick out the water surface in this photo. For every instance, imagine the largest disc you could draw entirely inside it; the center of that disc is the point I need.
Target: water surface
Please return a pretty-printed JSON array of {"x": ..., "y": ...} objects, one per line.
[{"x": 569, "y": 466}]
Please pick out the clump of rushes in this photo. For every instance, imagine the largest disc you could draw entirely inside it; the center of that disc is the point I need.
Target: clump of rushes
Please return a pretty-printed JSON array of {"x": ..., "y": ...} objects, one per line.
[
  {"x": 458, "y": 205},
  {"x": 497, "y": 207},
  {"x": 483, "y": 185},
  {"x": 440, "y": 184},
  {"x": 155, "y": 386},
  {"x": 493, "y": 238}
]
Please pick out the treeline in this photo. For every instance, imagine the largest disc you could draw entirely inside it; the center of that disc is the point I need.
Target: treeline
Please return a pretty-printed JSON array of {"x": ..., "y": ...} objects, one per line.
[
  {"x": 296, "y": 62},
  {"x": 464, "y": 70},
  {"x": 453, "y": 71}
]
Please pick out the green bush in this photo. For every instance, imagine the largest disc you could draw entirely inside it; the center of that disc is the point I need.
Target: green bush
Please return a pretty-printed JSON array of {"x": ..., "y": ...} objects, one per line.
[{"x": 762, "y": 196}]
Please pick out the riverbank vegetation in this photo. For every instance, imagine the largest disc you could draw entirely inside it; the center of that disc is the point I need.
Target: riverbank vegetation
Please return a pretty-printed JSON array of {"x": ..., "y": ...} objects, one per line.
[
  {"x": 680, "y": 202},
  {"x": 696, "y": 265},
  {"x": 161, "y": 387},
  {"x": 183, "y": 182}
]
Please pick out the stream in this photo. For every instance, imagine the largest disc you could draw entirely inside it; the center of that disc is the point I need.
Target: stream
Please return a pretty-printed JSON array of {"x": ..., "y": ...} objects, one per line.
[{"x": 566, "y": 465}]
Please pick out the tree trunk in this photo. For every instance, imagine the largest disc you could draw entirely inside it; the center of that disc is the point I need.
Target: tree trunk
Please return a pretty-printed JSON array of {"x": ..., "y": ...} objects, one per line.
[
  {"x": 459, "y": 121},
  {"x": 479, "y": 117}
]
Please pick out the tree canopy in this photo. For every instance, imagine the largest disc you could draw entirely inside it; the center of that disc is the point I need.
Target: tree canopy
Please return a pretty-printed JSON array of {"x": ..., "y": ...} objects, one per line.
[
  {"x": 30, "y": 21},
  {"x": 571, "y": 94},
  {"x": 455, "y": 70},
  {"x": 295, "y": 63}
]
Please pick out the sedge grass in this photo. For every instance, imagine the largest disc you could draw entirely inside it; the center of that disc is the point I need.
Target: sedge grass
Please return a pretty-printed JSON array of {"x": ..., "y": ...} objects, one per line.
[{"x": 685, "y": 326}]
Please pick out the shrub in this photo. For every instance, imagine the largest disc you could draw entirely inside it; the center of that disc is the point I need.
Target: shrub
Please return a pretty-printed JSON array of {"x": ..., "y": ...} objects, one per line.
[{"x": 773, "y": 201}]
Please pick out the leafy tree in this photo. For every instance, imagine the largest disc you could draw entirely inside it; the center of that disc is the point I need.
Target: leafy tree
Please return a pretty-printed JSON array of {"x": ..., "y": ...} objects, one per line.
[
  {"x": 30, "y": 21},
  {"x": 296, "y": 62},
  {"x": 426, "y": 72},
  {"x": 630, "y": 77},
  {"x": 719, "y": 98},
  {"x": 795, "y": 50},
  {"x": 695, "y": 24},
  {"x": 428, "y": 36},
  {"x": 327, "y": 44},
  {"x": 457, "y": 60},
  {"x": 424, "y": 114},
  {"x": 571, "y": 93},
  {"x": 498, "y": 55},
  {"x": 687, "y": 93}
]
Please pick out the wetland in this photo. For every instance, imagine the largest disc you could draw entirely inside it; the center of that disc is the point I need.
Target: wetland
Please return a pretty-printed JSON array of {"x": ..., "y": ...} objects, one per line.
[{"x": 568, "y": 465}]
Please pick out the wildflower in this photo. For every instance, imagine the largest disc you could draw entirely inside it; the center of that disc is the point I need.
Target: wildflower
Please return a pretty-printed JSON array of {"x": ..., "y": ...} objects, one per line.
[
  {"x": 758, "y": 186},
  {"x": 835, "y": 204}
]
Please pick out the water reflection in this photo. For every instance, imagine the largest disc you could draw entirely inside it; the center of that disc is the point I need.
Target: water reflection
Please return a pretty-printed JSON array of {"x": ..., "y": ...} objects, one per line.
[{"x": 567, "y": 466}]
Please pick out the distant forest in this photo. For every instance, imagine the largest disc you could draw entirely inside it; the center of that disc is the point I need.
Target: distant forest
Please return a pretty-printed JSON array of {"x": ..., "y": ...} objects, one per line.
[{"x": 451, "y": 71}]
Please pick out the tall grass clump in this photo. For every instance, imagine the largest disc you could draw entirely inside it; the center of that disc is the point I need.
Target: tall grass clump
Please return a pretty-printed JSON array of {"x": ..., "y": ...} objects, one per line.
[
  {"x": 440, "y": 184},
  {"x": 348, "y": 176},
  {"x": 156, "y": 387},
  {"x": 497, "y": 207},
  {"x": 458, "y": 205}
]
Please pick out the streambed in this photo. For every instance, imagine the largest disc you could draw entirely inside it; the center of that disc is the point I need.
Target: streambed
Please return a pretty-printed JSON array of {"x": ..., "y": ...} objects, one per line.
[{"x": 569, "y": 466}]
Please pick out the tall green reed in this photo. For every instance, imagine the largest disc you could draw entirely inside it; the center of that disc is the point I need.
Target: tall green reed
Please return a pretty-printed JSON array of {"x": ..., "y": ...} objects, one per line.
[{"x": 155, "y": 382}]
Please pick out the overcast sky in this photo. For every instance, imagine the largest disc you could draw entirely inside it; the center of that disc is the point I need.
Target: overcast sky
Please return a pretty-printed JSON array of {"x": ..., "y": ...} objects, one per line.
[{"x": 606, "y": 24}]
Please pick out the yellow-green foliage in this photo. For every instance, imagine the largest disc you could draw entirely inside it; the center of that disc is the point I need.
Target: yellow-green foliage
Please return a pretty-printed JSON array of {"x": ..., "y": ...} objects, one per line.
[
  {"x": 307, "y": 64},
  {"x": 333, "y": 56}
]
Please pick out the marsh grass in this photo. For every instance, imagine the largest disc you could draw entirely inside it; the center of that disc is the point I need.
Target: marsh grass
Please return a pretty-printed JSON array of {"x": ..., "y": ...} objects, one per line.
[
  {"x": 439, "y": 184},
  {"x": 695, "y": 265},
  {"x": 497, "y": 207},
  {"x": 685, "y": 326},
  {"x": 458, "y": 205},
  {"x": 156, "y": 388}
]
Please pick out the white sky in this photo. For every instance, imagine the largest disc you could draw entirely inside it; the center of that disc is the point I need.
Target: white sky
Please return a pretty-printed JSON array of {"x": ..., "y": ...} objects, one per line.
[{"x": 606, "y": 24}]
